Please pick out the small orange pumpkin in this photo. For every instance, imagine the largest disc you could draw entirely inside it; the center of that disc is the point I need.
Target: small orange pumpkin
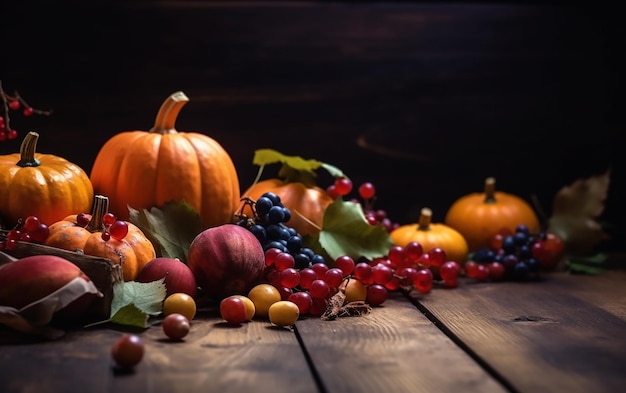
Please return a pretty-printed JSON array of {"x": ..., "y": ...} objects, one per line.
[
  {"x": 480, "y": 216},
  {"x": 307, "y": 203},
  {"x": 133, "y": 252},
  {"x": 43, "y": 185},
  {"x": 145, "y": 169},
  {"x": 432, "y": 235}
]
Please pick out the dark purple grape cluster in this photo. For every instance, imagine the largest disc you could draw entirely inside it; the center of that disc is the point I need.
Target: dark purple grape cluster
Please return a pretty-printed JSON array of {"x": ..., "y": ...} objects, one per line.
[{"x": 268, "y": 225}]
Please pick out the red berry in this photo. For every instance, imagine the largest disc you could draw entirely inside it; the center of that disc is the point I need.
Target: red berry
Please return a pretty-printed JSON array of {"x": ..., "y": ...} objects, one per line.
[
  {"x": 14, "y": 104},
  {"x": 343, "y": 186},
  {"x": 28, "y": 111},
  {"x": 367, "y": 190}
]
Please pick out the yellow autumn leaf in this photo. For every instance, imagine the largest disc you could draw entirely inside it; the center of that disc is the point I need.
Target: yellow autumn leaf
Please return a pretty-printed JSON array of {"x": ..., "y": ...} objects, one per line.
[{"x": 575, "y": 212}]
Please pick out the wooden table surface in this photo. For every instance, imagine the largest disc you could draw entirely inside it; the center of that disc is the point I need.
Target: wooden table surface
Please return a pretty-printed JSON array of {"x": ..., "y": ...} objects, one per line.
[{"x": 565, "y": 333}]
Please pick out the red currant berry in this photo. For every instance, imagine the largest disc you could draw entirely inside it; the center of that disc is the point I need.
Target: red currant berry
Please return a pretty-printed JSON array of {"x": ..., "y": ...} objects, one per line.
[
  {"x": 343, "y": 186},
  {"x": 28, "y": 111},
  {"x": 14, "y": 104},
  {"x": 367, "y": 190}
]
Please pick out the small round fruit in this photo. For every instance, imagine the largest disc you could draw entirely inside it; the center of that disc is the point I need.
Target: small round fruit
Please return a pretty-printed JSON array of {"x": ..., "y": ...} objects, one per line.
[
  {"x": 180, "y": 303},
  {"x": 263, "y": 296},
  {"x": 127, "y": 351},
  {"x": 233, "y": 310},
  {"x": 176, "y": 326},
  {"x": 284, "y": 313},
  {"x": 250, "y": 309},
  {"x": 355, "y": 291}
]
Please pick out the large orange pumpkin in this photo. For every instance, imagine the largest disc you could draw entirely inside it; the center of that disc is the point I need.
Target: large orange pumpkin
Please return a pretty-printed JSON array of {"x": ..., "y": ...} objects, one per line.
[
  {"x": 307, "y": 203},
  {"x": 43, "y": 185},
  {"x": 133, "y": 252},
  {"x": 145, "y": 169},
  {"x": 480, "y": 216},
  {"x": 432, "y": 235}
]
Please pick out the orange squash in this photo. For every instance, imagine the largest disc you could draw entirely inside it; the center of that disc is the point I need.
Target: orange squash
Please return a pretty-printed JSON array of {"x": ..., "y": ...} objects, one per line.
[
  {"x": 480, "y": 216},
  {"x": 307, "y": 203},
  {"x": 432, "y": 235},
  {"x": 133, "y": 252},
  {"x": 145, "y": 169},
  {"x": 43, "y": 185}
]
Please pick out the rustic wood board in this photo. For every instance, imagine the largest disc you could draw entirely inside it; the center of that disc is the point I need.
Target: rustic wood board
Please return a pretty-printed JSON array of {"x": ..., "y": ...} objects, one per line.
[
  {"x": 562, "y": 334},
  {"x": 394, "y": 348},
  {"x": 214, "y": 357}
]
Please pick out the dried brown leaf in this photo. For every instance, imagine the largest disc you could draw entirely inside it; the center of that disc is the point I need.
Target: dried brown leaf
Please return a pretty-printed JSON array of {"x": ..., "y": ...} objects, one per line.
[{"x": 575, "y": 210}]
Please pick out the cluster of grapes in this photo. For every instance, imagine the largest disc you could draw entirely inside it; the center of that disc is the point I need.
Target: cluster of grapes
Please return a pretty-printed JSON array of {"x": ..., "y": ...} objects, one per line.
[
  {"x": 367, "y": 193},
  {"x": 30, "y": 229},
  {"x": 306, "y": 279},
  {"x": 268, "y": 225},
  {"x": 14, "y": 102},
  {"x": 517, "y": 255}
]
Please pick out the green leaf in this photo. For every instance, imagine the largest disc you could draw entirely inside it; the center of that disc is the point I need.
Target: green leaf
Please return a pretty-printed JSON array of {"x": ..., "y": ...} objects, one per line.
[
  {"x": 268, "y": 156},
  {"x": 595, "y": 264},
  {"x": 147, "y": 297},
  {"x": 264, "y": 157},
  {"x": 171, "y": 228},
  {"x": 130, "y": 315},
  {"x": 346, "y": 232}
]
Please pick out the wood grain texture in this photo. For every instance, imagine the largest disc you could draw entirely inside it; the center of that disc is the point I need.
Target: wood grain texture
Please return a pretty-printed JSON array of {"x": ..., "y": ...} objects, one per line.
[
  {"x": 213, "y": 357},
  {"x": 565, "y": 333},
  {"x": 395, "y": 348}
]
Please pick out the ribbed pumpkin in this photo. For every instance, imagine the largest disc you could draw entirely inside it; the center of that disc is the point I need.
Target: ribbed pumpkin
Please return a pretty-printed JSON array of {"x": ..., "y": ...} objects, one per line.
[
  {"x": 133, "y": 252},
  {"x": 431, "y": 235},
  {"x": 306, "y": 203},
  {"x": 481, "y": 215},
  {"x": 145, "y": 169},
  {"x": 43, "y": 185}
]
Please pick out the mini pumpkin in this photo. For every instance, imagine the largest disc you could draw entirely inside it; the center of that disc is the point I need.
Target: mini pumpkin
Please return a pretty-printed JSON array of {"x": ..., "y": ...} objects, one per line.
[
  {"x": 481, "y": 215},
  {"x": 132, "y": 252},
  {"x": 432, "y": 235},
  {"x": 145, "y": 169},
  {"x": 43, "y": 185}
]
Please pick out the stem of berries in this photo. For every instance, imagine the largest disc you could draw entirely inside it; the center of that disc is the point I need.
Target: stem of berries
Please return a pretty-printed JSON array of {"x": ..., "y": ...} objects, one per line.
[{"x": 15, "y": 102}]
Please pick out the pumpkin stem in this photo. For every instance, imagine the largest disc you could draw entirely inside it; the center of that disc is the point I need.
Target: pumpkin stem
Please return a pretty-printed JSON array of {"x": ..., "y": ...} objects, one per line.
[
  {"x": 426, "y": 216},
  {"x": 27, "y": 150},
  {"x": 166, "y": 117},
  {"x": 100, "y": 208},
  {"x": 490, "y": 190}
]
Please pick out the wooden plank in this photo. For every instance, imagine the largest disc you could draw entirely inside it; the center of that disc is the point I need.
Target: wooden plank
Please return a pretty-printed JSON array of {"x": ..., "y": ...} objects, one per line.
[
  {"x": 213, "y": 357},
  {"x": 565, "y": 333},
  {"x": 394, "y": 348}
]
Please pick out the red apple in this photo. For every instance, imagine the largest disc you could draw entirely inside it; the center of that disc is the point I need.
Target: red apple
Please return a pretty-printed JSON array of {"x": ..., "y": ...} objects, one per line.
[
  {"x": 226, "y": 260},
  {"x": 178, "y": 276}
]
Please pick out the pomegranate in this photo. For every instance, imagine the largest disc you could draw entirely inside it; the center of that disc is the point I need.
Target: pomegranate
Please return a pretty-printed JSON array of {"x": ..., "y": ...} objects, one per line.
[
  {"x": 33, "y": 278},
  {"x": 226, "y": 260},
  {"x": 178, "y": 276}
]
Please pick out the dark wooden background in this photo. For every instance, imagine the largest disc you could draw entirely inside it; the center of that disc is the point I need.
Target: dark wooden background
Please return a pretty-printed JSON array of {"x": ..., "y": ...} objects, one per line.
[{"x": 423, "y": 99}]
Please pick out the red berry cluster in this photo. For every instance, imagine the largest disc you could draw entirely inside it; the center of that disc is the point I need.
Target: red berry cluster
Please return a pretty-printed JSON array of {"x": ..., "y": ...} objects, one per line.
[
  {"x": 113, "y": 228},
  {"x": 406, "y": 268},
  {"x": 367, "y": 194},
  {"x": 30, "y": 229},
  {"x": 14, "y": 102}
]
